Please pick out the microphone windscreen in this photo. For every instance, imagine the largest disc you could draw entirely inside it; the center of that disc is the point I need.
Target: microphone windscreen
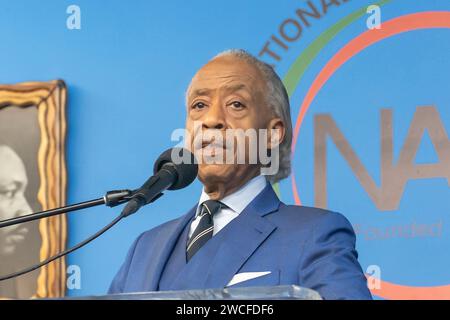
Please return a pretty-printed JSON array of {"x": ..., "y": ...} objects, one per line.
[{"x": 184, "y": 163}]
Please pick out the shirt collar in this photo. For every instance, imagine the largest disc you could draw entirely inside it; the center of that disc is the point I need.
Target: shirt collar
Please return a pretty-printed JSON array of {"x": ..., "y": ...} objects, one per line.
[{"x": 238, "y": 200}]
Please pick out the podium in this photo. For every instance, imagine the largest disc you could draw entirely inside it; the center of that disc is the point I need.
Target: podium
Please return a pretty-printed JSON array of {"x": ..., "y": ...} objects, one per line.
[{"x": 286, "y": 292}]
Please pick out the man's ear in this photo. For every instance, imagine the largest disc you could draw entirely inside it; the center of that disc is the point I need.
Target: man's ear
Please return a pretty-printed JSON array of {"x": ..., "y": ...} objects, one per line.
[{"x": 276, "y": 132}]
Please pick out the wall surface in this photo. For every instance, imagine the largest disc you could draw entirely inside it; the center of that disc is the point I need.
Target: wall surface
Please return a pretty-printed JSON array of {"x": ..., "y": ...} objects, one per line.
[{"x": 129, "y": 64}]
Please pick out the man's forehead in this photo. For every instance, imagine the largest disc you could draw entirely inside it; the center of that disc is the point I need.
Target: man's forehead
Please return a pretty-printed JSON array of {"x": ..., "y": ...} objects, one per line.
[
  {"x": 11, "y": 168},
  {"x": 230, "y": 75},
  {"x": 227, "y": 67},
  {"x": 205, "y": 88}
]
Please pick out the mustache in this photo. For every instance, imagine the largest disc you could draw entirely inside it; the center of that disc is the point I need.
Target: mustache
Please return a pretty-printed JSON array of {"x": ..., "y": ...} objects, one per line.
[
  {"x": 212, "y": 144},
  {"x": 15, "y": 230},
  {"x": 202, "y": 141}
]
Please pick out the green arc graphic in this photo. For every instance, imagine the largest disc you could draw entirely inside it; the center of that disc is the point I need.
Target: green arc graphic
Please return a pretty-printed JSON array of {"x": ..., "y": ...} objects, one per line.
[{"x": 304, "y": 60}]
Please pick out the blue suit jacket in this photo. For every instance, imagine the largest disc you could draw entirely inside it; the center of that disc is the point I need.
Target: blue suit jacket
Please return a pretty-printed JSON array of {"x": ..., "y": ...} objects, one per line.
[{"x": 310, "y": 247}]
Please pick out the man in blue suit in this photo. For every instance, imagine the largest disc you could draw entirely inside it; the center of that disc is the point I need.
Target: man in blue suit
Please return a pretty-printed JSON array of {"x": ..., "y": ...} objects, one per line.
[{"x": 240, "y": 233}]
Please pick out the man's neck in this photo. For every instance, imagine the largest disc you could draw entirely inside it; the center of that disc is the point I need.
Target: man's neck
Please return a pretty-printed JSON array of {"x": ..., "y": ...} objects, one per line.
[{"x": 220, "y": 190}]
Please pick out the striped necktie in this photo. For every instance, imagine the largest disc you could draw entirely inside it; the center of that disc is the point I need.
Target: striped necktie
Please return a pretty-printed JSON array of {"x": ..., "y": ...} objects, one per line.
[{"x": 205, "y": 227}]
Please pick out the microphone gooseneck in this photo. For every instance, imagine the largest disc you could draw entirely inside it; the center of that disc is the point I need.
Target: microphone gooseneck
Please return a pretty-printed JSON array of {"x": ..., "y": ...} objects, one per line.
[
  {"x": 169, "y": 174},
  {"x": 174, "y": 169}
]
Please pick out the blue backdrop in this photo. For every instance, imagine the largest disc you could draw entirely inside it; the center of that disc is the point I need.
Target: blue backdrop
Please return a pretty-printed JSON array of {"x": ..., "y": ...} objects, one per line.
[{"x": 127, "y": 69}]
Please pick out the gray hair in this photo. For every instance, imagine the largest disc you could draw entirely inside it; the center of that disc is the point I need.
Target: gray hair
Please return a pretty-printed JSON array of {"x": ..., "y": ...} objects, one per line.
[{"x": 278, "y": 100}]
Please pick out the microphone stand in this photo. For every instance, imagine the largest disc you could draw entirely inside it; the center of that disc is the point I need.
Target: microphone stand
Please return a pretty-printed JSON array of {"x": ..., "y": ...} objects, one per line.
[
  {"x": 167, "y": 176},
  {"x": 110, "y": 199}
]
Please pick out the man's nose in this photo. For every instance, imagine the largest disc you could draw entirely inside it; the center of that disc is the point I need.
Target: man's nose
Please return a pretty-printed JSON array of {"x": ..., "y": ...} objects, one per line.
[
  {"x": 214, "y": 118},
  {"x": 22, "y": 207}
]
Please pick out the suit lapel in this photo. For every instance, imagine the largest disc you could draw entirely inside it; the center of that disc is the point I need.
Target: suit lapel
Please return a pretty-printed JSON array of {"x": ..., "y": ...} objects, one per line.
[
  {"x": 245, "y": 234},
  {"x": 222, "y": 256},
  {"x": 165, "y": 246}
]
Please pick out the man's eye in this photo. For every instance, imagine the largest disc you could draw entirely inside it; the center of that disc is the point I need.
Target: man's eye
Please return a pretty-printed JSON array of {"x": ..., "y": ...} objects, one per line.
[
  {"x": 8, "y": 194},
  {"x": 237, "y": 105},
  {"x": 199, "y": 105}
]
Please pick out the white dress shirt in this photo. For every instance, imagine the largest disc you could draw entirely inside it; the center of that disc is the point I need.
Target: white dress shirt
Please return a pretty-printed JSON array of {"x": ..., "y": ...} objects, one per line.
[{"x": 235, "y": 202}]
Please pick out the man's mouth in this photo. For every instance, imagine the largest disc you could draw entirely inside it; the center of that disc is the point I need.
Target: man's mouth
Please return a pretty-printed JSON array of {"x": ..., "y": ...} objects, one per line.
[
  {"x": 210, "y": 144},
  {"x": 205, "y": 144},
  {"x": 16, "y": 235}
]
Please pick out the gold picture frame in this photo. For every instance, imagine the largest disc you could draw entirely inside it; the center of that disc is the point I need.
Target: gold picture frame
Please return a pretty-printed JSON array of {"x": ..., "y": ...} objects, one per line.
[{"x": 50, "y": 100}]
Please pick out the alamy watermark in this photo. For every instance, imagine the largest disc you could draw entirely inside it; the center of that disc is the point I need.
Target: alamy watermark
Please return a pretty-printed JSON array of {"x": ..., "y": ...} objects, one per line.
[
  {"x": 374, "y": 20},
  {"x": 73, "y": 21},
  {"x": 230, "y": 146},
  {"x": 73, "y": 281}
]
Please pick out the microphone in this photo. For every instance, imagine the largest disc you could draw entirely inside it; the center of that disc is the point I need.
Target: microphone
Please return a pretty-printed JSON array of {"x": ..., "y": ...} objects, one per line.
[{"x": 175, "y": 169}]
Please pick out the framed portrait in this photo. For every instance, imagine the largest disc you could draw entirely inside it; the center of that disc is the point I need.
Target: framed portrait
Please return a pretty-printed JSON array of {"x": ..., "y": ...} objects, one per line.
[{"x": 32, "y": 178}]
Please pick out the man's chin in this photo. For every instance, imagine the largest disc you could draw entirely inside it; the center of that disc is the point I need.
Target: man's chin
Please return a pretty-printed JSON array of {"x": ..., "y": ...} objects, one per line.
[
  {"x": 7, "y": 249},
  {"x": 214, "y": 172}
]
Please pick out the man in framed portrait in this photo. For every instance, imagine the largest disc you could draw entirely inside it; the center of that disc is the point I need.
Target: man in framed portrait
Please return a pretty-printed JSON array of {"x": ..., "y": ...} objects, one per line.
[
  {"x": 19, "y": 183},
  {"x": 32, "y": 178},
  {"x": 13, "y": 182}
]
